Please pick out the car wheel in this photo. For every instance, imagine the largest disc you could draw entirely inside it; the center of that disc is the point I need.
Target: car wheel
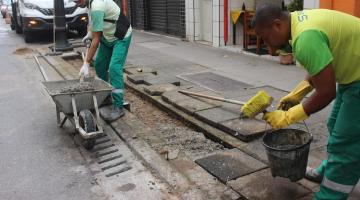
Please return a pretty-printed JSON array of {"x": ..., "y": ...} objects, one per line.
[
  {"x": 82, "y": 32},
  {"x": 28, "y": 37},
  {"x": 12, "y": 24},
  {"x": 18, "y": 29}
]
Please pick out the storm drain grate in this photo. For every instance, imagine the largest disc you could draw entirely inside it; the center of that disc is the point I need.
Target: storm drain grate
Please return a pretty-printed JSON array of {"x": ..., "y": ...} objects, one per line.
[
  {"x": 98, "y": 155},
  {"x": 113, "y": 165},
  {"x": 99, "y": 148},
  {"x": 109, "y": 159},
  {"x": 106, "y": 154},
  {"x": 102, "y": 141},
  {"x": 118, "y": 171}
]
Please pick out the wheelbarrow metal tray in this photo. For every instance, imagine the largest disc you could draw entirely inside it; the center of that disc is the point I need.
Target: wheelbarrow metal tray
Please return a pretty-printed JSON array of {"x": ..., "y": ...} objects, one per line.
[{"x": 84, "y": 99}]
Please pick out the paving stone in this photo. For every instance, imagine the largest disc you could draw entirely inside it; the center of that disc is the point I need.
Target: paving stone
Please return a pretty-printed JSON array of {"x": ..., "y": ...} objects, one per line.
[
  {"x": 230, "y": 164},
  {"x": 203, "y": 180},
  {"x": 161, "y": 79},
  {"x": 140, "y": 70},
  {"x": 192, "y": 105},
  {"x": 175, "y": 96},
  {"x": 262, "y": 186},
  {"x": 355, "y": 194},
  {"x": 244, "y": 129},
  {"x": 157, "y": 90},
  {"x": 207, "y": 100},
  {"x": 277, "y": 94},
  {"x": 314, "y": 187},
  {"x": 139, "y": 78},
  {"x": 215, "y": 115},
  {"x": 320, "y": 135},
  {"x": 240, "y": 92},
  {"x": 214, "y": 81},
  {"x": 307, "y": 197},
  {"x": 256, "y": 149}
]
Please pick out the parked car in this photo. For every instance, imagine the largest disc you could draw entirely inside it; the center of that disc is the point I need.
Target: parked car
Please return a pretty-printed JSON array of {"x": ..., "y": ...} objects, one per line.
[
  {"x": 10, "y": 16},
  {"x": 32, "y": 16}
]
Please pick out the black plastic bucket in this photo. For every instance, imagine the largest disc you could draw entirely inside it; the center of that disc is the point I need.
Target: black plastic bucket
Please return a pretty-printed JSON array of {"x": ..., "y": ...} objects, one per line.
[{"x": 287, "y": 151}]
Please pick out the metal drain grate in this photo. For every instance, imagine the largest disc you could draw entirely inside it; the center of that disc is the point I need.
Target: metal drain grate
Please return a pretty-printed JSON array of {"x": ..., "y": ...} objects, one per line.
[{"x": 108, "y": 157}]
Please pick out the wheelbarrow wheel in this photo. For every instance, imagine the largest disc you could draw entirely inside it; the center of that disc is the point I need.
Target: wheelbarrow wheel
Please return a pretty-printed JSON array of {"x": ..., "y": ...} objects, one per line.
[{"x": 87, "y": 122}]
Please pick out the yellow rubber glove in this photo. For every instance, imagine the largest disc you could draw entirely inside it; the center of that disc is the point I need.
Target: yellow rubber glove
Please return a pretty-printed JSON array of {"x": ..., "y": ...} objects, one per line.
[
  {"x": 295, "y": 96},
  {"x": 281, "y": 119}
]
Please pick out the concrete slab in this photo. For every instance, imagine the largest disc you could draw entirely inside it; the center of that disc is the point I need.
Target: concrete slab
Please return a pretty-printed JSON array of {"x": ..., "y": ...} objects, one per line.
[
  {"x": 178, "y": 68},
  {"x": 157, "y": 90},
  {"x": 215, "y": 115},
  {"x": 262, "y": 186},
  {"x": 277, "y": 94},
  {"x": 355, "y": 194},
  {"x": 139, "y": 70},
  {"x": 214, "y": 81},
  {"x": 256, "y": 149},
  {"x": 175, "y": 96},
  {"x": 307, "y": 197},
  {"x": 192, "y": 105},
  {"x": 139, "y": 78},
  {"x": 320, "y": 135},
  {"x": 161, "y": 79},
  {"x": 244, "y": 129},
  {"x": 203, "y": 180},
  {"x": 230, "y": 164}
]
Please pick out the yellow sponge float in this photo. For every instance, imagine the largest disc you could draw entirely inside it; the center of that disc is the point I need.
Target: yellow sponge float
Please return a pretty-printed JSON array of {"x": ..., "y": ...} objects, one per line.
[{"x": 256, "y": 104}]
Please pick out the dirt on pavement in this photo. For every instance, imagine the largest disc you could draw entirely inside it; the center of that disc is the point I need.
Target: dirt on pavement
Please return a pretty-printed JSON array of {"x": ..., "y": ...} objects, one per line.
[{"x": 174, "y": 134}]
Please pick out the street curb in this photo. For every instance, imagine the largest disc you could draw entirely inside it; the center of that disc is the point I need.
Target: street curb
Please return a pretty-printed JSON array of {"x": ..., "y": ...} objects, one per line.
[{"x": 152, "y": 159}]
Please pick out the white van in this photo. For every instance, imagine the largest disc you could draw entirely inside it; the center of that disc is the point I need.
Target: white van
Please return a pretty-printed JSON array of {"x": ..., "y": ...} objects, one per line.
[{"x": 31, "y": 16}]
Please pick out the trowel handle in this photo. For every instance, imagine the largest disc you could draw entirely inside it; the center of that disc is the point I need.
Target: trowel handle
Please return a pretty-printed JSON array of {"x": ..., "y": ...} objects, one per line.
[{"x": 213, "y": 97}]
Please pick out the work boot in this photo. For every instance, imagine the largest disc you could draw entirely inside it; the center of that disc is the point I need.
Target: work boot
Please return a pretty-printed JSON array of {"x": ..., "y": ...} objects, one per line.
[
  {"x": 114, "y": 114},
  {"x": 312, "y": 175}
]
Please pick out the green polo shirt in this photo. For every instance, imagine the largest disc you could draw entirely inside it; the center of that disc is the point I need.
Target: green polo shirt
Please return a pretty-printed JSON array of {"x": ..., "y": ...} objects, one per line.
[
  {"x": 105, "y": 9},
  {"x": 320, "y": 37}
]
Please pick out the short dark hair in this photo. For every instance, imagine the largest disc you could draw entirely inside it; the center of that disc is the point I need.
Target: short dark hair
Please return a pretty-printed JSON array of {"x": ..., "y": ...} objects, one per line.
[{"x": 266, "y": 14}]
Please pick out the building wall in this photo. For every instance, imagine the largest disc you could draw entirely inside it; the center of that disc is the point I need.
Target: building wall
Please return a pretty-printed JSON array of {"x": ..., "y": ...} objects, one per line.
[
  {"x": 348, "y": 6},
  {"x": 193, "y": 26},
  {"x": 311, "y": 4}
]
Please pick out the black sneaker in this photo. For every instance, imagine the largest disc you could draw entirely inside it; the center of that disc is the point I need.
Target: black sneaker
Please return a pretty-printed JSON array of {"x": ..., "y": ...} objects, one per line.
[
  {"x": 114, "y": 114},
  {"x": 312, "y": 175}
]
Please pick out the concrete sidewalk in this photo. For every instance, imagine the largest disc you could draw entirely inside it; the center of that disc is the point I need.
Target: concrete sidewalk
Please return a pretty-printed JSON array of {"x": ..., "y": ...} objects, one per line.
[
  {"x": 150, "y": 50},
  {"x": 173, "y": 58}
]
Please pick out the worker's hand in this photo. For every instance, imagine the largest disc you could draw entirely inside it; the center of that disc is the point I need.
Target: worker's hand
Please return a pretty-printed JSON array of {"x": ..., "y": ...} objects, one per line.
[
  {"x": 84, "y": 71},
  {"x": 87, "y": 38},
  {"x": 295, "y": 96},
  {"x": 281, "y": 119}
]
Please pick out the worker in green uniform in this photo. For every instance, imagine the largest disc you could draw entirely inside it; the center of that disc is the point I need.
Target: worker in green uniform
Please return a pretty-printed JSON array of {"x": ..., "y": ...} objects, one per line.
[
  {"x": 327, "y": 44},
  {"x": 112, "y": 49}
]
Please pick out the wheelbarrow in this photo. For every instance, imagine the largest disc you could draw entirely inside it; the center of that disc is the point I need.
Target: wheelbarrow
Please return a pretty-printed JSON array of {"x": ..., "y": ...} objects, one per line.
[{"x": 78, "y": 106}]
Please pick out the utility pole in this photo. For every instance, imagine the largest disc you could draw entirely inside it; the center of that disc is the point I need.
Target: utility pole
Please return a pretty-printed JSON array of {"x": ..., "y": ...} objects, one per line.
[{"x": 60, "y": 30}]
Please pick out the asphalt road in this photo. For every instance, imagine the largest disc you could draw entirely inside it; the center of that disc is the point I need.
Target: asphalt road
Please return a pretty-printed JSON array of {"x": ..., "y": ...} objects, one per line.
[{"x": 37, "y": 159}]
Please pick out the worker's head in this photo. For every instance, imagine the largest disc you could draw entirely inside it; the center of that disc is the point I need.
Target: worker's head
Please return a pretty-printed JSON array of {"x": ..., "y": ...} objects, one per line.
[
  {"x": 81, "y": 3},
  {"x": 272, "y": 24}
]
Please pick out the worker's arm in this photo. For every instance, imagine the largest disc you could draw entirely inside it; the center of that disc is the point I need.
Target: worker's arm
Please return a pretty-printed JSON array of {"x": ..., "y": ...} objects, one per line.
[
  {"x": 94, "y": 45},
  {"x": 325, "y": 90}
]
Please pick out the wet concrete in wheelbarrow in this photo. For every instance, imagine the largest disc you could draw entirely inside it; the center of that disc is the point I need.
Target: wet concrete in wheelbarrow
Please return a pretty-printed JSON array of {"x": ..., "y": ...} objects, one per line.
[{"x": 78, "y": 87}]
